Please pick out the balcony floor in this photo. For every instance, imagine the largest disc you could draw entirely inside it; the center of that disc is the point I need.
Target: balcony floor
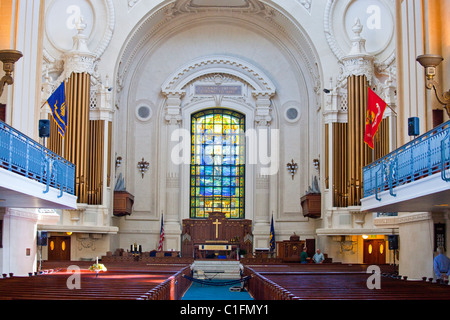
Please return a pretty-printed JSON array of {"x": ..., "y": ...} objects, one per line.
[
  {"x": 430, "y": 194},
  {"x": 17, "y": 191}
]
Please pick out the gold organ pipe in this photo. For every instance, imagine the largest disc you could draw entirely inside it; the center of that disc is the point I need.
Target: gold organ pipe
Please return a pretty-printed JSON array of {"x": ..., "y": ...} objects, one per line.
[
  {"x": 340, "y": 171},
  {"x": 359, "y": 154},
  {"x": 344, "y": 164},
  {"x": 54, "y": 142},
  {"x": 85, "y": 129},
  {"x": 78, "y": 97},
  {"x": 335, "y": 158},
  {"x": 327, "y": 170},
  {"x": 108, "y": 160},
  {"x": 101, "y": 161},
  {"x": 95, "y": 162},
  {"x": 89, "y": 176},
  {"x": 340, "y": 188},
  {"x": 351, "y": 135},
  {"x": 350, "y": 153}
]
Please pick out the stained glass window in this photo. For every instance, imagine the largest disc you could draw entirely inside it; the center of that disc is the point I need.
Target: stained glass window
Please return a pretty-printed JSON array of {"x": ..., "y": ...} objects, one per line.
[{"x": 217, "y": 163}]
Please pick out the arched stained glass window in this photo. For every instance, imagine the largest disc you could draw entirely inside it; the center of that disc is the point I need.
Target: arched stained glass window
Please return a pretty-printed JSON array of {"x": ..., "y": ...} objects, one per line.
[{"x": 217, "y": 163}]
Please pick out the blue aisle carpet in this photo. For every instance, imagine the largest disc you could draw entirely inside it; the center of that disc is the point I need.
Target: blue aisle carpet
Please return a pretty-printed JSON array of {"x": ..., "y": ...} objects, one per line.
[{"x": 198, "y": 291}]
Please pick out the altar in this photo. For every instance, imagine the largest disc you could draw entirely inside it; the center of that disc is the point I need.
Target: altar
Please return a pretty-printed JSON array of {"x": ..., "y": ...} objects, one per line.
[
  {"x": 213, "y": 250},
  {"x": 216, "y": 237}
]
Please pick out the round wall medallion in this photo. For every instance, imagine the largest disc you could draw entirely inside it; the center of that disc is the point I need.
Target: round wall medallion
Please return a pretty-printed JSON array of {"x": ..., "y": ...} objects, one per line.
[
  {"x": 377, "y": 20},
  {"x": 61, "y": 17},
  {"x": 143, "y": 112},
  {"x": 292, "y": 113}
]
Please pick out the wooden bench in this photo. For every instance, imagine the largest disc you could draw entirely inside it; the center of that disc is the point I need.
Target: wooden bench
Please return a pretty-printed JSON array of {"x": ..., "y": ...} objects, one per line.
[
  {"x": 121, "y": 282},
  {"x": 335, "y": 282}
]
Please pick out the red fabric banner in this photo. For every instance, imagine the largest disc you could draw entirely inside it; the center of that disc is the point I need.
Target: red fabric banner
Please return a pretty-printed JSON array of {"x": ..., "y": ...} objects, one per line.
[{"x": 375, "y": 110}]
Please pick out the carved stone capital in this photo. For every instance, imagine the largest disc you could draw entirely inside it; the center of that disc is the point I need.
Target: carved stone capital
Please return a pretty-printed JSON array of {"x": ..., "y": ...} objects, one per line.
[
  {"x": 173, "y": 119},
  {"x": 80, "y": 59},
  {"x": 359, "y": 217},
  {"x": 358, "y": 62},
  {"x": 79, "y": 63},
  {"x": 263, "y": 109},
  {"x": 261, "y": 121}
]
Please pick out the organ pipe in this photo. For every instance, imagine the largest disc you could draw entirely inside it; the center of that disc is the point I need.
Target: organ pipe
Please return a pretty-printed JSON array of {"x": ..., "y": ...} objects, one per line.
[{"x": 350, "y": 153}]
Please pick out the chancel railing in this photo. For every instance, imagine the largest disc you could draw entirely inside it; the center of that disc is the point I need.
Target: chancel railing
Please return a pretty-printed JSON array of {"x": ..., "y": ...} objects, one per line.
[
  {"x": 422, "y": 157},
  {"x": 24, "y": 156}
]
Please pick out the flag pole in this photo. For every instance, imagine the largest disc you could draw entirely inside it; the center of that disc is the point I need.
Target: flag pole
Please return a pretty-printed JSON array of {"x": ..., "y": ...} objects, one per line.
[{"x": 391, "y": 109}]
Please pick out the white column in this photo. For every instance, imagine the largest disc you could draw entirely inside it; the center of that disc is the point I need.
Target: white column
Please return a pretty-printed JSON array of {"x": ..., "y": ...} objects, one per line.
[
  {"x": 266, "y": 188},
  {"x": 23, "y": 108},
  {"x": 172, "y": 214},
  {"x": 416, "y": 245}
]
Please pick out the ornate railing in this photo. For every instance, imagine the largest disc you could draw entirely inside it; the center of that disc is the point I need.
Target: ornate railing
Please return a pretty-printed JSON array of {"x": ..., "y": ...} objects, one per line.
[
  {"x": 427, "y": 155},
  {"x": 24, "y": 156}
]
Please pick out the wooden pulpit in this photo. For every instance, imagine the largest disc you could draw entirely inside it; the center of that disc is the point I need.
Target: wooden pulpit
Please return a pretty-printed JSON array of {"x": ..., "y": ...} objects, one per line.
[
  {"x": 290, "y": 250},
  {"x": 217, "y": 233}
]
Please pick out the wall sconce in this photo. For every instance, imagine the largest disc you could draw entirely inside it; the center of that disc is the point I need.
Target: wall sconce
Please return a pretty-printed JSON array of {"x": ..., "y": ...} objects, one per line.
[
  {"x": 292, "y": 168},
  {"x": 316, "y": 164},
  {"x": 143, "y": 166},
  {"x": 8, "y": 57},
  {"x": 430, "y": 62},
  {"x": 118, "y": 161}
]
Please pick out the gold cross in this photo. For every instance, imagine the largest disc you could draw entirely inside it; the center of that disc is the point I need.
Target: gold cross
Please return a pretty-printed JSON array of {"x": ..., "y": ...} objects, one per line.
[{"x": 217, "y": 227}]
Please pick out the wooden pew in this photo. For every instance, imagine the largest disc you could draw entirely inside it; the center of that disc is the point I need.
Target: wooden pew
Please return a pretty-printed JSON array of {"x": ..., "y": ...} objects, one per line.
[
  {"x": 335, "y": 282},
  {"x": 120, "y": 282}
]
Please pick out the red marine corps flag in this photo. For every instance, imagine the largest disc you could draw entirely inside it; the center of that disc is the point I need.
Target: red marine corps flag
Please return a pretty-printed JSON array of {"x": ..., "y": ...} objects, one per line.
[{"x": 375, "y": 110}]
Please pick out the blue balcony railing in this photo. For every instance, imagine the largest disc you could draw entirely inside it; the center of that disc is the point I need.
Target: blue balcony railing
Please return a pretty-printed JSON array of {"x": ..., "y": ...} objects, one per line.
[
  {"x": 428, "y": 154},
  {"x": 22, "y": 155}
]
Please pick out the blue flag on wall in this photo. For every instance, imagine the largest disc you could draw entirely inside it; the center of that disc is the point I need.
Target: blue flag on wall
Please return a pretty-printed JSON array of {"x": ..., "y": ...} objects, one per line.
[
  {"x": 57, "y": 103},
  {"x": 272, "y": 237}
]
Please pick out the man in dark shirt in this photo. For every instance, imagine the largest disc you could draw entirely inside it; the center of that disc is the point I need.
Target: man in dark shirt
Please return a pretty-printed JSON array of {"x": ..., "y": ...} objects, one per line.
[{"x": 303, "y": 256}]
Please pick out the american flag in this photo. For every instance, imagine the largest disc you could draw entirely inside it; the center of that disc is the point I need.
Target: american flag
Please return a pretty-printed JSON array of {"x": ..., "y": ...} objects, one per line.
[{"x": 161, "y": 235}]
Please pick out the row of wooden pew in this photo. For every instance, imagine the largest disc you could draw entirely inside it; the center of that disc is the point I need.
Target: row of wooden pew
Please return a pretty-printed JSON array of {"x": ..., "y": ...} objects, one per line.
[
  {"x": 119, "y": 282},
  {"x": 140, "y": 281},
  {"x": 338, "y": 282}
]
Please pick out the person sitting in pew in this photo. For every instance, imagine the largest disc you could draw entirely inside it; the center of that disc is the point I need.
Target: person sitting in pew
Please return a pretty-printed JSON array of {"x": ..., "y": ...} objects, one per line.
[
  {"x": 318, "y": 257},
  {"x": 441, "y": 264}
]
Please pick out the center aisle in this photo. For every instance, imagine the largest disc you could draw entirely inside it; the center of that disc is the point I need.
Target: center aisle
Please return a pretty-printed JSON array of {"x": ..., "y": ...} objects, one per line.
[{"x": 198, "y": 291}]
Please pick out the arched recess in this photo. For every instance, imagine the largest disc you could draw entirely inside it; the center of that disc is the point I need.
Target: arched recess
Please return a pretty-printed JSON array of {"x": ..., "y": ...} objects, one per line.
[
  {"x": 252, "y": 98},
  {"x": 299, "y": 84}
]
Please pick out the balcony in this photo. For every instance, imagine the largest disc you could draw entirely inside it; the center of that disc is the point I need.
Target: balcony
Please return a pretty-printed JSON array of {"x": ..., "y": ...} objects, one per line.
[
  {"x": 413, "y": 178},
  {"x": 32, "y": 176}
]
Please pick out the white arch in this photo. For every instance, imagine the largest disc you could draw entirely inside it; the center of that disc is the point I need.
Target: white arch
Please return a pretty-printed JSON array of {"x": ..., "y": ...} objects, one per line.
[
  {"x": 262, "y": 90},
  {"x": 239, "y": 68}
]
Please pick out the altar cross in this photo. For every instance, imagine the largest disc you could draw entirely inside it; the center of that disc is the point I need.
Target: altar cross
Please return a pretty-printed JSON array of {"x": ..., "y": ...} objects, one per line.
[{"x": 217, "y": 227}]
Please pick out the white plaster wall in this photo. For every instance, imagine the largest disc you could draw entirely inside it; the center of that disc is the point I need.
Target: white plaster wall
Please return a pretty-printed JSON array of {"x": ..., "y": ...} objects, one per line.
[
  {"x": 416, "y": 248},
  {"x": 19, "y": 234}
]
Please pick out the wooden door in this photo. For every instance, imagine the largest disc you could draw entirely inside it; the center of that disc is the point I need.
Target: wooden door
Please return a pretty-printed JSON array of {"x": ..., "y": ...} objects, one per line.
[
  {"x": 58, "y": 248},
  {"x": 375, "y": 251}
]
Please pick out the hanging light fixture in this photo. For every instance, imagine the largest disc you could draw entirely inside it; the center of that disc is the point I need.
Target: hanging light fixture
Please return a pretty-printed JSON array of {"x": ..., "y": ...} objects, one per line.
[
  {"x": 430, "y": 62},
  {"x": 143, "y": 166},
  {"x": 292, "y": 168},
  {"x": 8, "y": 57}
]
